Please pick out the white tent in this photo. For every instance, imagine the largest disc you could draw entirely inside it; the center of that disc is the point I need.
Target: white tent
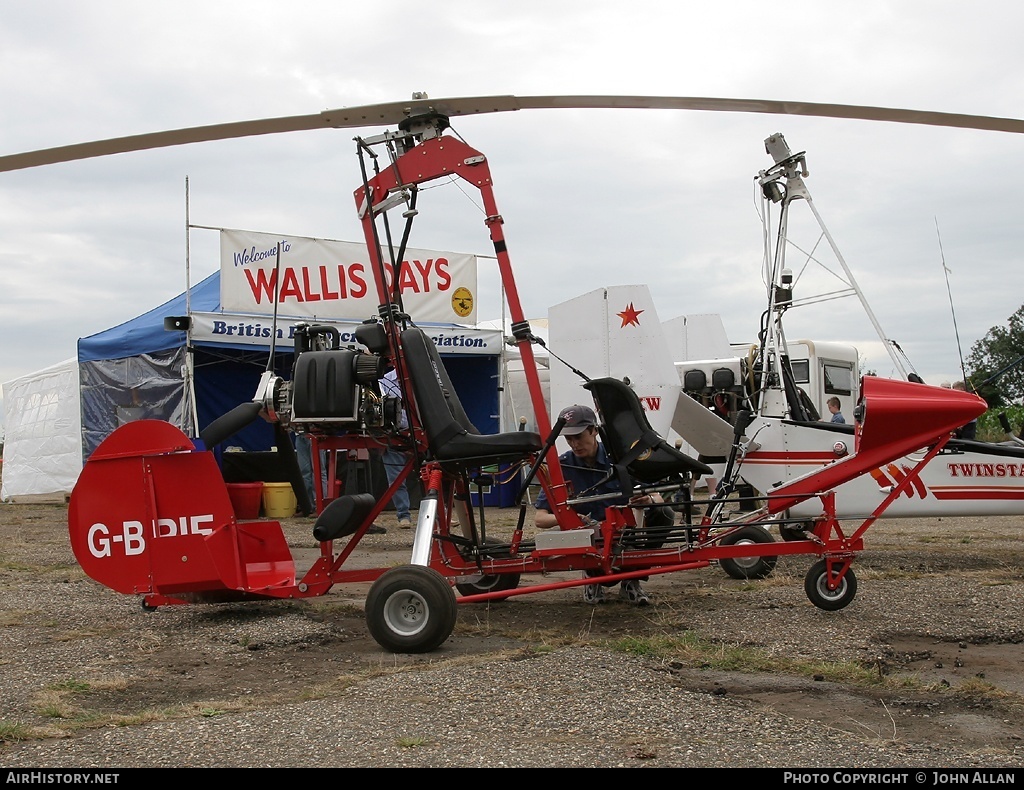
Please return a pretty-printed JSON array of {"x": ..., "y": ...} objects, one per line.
[{"x": 43, "y": 445}]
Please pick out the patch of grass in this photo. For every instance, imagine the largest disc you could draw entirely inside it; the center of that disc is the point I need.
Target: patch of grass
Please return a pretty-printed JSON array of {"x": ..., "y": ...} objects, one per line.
[
  {"x": 71, "y": 684},
  {"x": 11, "y": 619},
  {"x": 12, "y": 565},
  {"x": 55, "y": 710},
  {"x": 533, "y": 635},
  {"x": 979, "y": 687},
  {"x": 56, "y": 700},
  {"x": 691, "y": 649},
  {"x": 641, "y": 646},
  {"x": 51, "y": 703},
  {"x": 13, "y": 733},
  {"x": 109, "y": 684},
  {"x": 329, "y": 688},
  {"x": 150, "y": 715},
  {"x": 142, "y": 717}
]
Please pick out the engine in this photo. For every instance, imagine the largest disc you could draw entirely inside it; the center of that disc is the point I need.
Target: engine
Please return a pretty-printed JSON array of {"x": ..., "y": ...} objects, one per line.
[{"x": 333, "y": 390}]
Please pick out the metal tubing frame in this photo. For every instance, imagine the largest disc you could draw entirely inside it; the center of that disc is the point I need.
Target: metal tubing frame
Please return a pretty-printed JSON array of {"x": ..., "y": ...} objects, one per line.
[{"x": 440, "y": 157}]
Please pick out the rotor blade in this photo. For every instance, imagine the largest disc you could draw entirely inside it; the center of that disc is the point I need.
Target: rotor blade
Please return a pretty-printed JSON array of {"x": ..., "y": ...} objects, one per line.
[
  {"x": 770, "y": 107},
  {"x": 142, "y": 142},
  {"x": 230, "y": 423},
  {"x": 391, "y": 113},
  {"x": 285, "y": 448},
  {"x": 387, "y": 114}
]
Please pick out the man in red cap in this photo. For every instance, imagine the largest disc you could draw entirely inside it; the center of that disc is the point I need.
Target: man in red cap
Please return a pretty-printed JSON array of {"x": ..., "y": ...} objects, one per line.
[{"x": 585, "y": 465}]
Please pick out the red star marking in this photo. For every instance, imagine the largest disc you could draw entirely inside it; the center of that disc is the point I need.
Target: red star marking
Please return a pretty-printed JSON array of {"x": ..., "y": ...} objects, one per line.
[{"x": 630, "y": 316}]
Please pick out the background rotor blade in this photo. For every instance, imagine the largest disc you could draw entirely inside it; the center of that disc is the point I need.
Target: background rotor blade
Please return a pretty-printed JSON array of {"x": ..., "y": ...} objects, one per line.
[
  {"x": 229, "y": 424},
  {"x": 286, "y": 450},
  {"x": 391, "y": 113}
]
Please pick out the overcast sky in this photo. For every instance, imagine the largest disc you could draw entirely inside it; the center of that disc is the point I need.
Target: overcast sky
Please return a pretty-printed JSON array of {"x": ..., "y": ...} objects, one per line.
[{"x": 590, "y": 198}]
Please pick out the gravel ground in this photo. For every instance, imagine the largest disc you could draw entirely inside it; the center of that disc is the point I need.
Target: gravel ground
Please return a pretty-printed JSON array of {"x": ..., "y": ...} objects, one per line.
[
  {"x": 309, "y": 688},
  {"x": 578, "y": 707}
]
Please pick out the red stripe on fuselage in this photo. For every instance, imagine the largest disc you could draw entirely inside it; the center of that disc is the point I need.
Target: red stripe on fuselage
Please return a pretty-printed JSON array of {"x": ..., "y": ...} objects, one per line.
[
  {"x": 816, "y": 458},
  {"x": 993, "y": 493}
]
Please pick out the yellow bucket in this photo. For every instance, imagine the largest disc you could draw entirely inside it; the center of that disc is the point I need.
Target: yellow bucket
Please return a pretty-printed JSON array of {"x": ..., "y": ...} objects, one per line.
[{"x": 279, "y": 500}]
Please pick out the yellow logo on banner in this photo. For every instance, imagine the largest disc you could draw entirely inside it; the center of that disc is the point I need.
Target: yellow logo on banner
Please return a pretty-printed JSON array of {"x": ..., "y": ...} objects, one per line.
[{"x": 462, "y": 302}]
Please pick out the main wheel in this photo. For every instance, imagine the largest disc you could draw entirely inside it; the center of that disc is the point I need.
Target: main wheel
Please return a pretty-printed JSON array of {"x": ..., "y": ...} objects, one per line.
[
  {"x": 795, "y": 531},
  {"x": 816, "y": 587},
  {"x": 791, "y": 533},
  {"x": 411, "y": 609},
  {"x": 489, "y": 582},
  {"x": 748, "y": 567}
]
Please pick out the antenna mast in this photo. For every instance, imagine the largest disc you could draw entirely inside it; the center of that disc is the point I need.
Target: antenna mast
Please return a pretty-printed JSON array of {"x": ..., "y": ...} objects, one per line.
[{"x": 956, "y": 329}]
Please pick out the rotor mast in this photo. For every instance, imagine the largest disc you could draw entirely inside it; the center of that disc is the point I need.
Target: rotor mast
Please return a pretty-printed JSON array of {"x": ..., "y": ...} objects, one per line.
[
  {"x": 423, "y": 154},
  {"x": 784, "y": 182}
]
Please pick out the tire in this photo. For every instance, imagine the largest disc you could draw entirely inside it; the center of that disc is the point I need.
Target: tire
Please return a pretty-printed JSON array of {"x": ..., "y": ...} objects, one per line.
[
  {"x": 788, "y": 533},
  {"x": 791, "y": 531},
  {"x": 748, "y": 567},
  {"x": 411, "y": 609},
  {"x": 489, "y": 582},
  {"x": 795, "y": 531},
  {"x": 816, "y": 587}
]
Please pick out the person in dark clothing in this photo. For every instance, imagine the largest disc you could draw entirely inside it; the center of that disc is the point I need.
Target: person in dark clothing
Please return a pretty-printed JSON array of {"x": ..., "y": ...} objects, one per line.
[{"x": 584, "y": 466}]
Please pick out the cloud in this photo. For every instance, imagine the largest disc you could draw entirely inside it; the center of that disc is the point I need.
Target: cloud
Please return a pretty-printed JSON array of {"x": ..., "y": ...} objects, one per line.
[{"x": 590, "y": 197}]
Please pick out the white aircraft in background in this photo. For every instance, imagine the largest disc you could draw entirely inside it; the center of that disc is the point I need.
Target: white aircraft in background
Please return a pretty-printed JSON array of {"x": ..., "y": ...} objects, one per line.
[{"x": 783, "y": 384}]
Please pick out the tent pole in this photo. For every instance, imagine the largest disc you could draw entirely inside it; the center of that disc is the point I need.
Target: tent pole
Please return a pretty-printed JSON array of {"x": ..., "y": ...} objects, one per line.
[{"x": 190, "y": 385}]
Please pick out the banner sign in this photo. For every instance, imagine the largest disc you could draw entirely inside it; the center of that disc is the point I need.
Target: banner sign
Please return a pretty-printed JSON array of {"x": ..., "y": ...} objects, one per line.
[
  {"x": 324, "y": 279},
  {"x": 256, "y": 330}
]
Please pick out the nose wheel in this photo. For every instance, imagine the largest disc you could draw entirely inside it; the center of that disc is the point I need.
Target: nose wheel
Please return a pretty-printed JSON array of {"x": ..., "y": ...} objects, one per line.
[
  {"x": 816, "y": 585},
  {"x": 411, "y": 609}
]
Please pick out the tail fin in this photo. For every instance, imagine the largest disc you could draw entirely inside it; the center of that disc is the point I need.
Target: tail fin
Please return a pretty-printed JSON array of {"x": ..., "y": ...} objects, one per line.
[{"x": 613, "y": 332}]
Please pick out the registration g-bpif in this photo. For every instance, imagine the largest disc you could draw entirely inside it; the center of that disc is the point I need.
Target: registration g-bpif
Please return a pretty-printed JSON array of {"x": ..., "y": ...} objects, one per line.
[{"x": 932, "y": 778}]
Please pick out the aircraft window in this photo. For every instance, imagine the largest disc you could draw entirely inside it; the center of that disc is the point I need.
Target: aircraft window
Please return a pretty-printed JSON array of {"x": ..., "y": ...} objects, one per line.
[
  {"x": 801, "y": 371},
  {"x": 838, "y": 379}
]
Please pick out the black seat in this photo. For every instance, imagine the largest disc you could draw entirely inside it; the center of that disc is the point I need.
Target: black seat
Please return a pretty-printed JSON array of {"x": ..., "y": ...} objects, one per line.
[
  {"x": 695, "y": 382},
  {"x": 631, "y": 441},
  {"x": 451, "y": 436}
]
